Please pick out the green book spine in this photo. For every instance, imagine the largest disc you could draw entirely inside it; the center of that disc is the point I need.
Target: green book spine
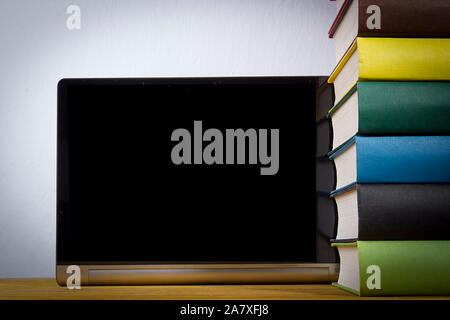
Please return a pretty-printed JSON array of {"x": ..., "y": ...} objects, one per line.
[
  {"x": 391, "y": 107},
  {"x": 405, "y": 267}
]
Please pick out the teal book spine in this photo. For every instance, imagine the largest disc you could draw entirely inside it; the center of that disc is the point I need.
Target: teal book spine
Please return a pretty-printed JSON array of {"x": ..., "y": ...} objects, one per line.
[{"x": 406, "y": 107}]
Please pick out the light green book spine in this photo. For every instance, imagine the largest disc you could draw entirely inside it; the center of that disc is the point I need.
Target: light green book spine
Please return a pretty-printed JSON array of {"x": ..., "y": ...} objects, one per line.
[
  {"x": 398, "y": 268},
  {"x": 404, "y": 268}
]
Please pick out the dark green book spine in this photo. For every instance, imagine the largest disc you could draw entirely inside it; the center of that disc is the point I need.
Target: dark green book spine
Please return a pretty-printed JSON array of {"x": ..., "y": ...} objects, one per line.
[{"x": 399, "y": 108}]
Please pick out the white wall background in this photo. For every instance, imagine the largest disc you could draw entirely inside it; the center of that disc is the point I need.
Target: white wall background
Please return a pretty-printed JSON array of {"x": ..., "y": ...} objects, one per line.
[{"x": 123, "y": 39}]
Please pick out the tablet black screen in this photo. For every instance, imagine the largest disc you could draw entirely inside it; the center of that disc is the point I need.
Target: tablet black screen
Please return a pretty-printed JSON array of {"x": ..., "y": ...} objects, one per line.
[{"x": 121, "y": 197}]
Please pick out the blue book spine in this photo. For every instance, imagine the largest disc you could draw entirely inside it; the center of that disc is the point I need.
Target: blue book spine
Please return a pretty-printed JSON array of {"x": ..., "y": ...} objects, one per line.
[{"x": 403, "y": 159}]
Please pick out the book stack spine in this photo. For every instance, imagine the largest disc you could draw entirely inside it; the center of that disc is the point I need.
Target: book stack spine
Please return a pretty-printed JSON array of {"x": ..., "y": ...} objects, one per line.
[
  {"x": 325, "y": 171},
  {"x": 402, "y": 141}
]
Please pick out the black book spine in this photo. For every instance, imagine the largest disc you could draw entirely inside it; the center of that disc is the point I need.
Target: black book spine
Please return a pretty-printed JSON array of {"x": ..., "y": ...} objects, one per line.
[{"x": 404, "y": 211}]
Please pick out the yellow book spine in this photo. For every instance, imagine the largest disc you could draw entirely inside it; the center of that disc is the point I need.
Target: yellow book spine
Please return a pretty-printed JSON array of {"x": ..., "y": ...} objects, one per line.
[
  {"x": 350, "y": 51},
  {"x": 403, "y": 59}
]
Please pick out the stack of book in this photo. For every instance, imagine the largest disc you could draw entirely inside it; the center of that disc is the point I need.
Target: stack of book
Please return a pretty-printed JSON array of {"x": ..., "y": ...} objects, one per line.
[
  {"x": 325, "y": 182},
  {"x": 391, "y": 146}
]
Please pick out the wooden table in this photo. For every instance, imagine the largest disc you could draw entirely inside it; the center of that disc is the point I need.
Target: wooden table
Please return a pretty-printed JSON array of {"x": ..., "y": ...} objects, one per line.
[{"x": 48, "y": 289}]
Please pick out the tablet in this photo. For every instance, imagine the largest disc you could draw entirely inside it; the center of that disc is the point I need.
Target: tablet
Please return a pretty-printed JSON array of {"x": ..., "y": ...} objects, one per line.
[{"x": 188, "y": 180}]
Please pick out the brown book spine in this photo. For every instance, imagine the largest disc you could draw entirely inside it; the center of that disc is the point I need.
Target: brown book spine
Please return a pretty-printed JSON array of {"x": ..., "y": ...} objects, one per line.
[{"x": 401, "y": 18}]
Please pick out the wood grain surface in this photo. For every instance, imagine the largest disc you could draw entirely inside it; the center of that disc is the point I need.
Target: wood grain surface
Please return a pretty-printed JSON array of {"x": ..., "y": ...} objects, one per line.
[{"x": 48, "y": 289}]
